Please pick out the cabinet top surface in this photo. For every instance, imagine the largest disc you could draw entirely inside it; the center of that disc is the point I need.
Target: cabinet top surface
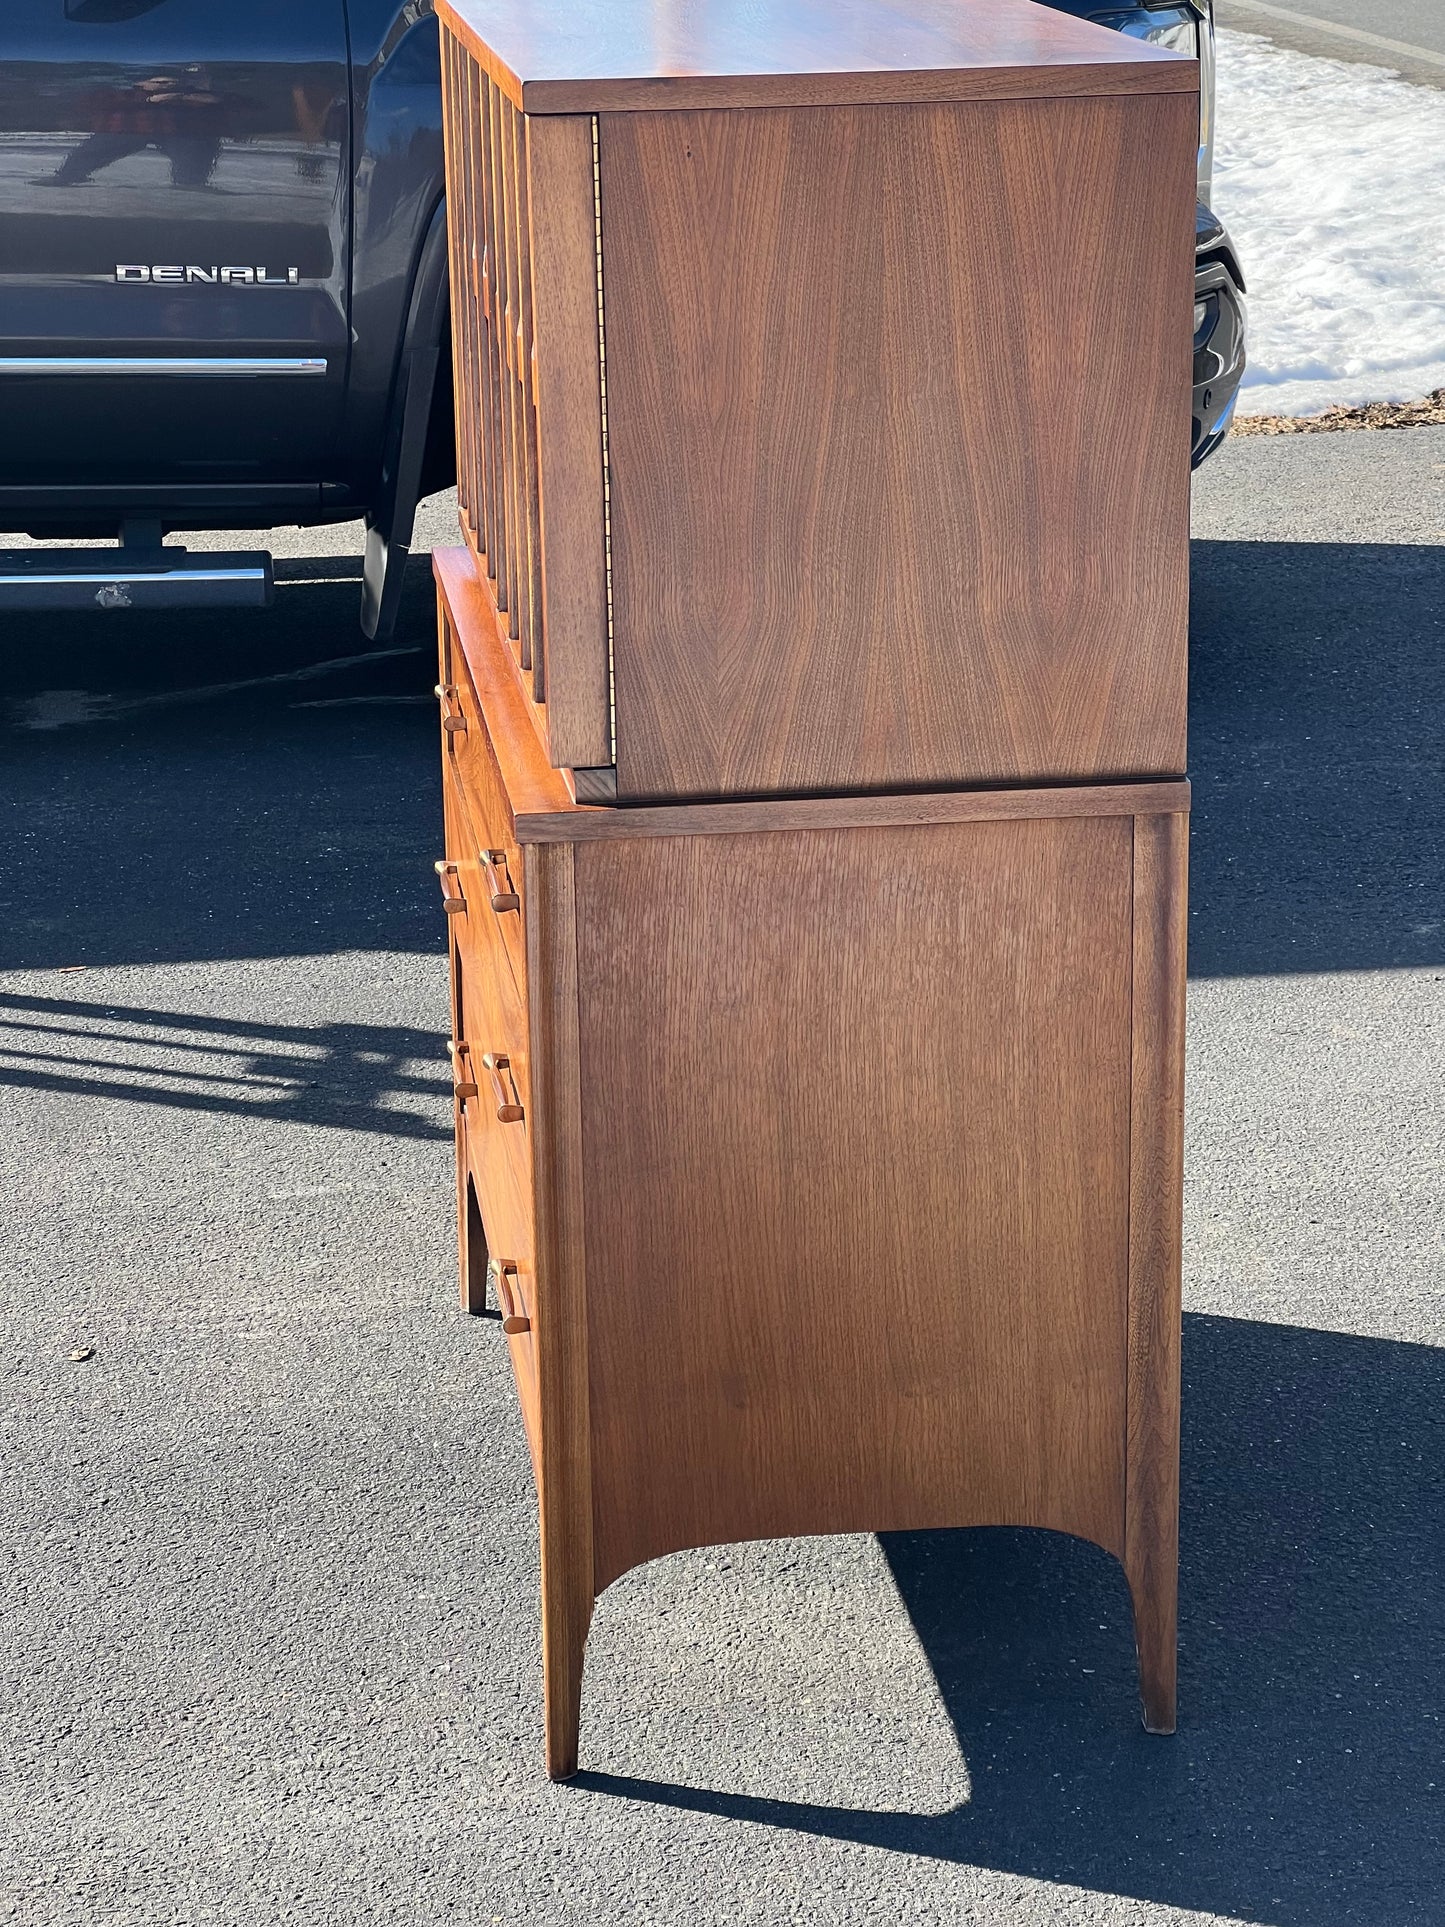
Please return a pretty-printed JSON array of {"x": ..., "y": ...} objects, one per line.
[{"x": 582, "y": 56}]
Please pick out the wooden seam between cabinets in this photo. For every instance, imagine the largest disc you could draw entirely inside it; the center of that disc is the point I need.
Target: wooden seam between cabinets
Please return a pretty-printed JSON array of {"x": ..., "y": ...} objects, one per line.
[
  {"x": 542, "y": 808},
  {"x": 588, "y": 824}
]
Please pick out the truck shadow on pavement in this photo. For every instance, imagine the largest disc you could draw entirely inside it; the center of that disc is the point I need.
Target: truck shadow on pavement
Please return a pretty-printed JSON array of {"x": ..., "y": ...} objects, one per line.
[
  {"x": 232, "y": 784},
  {"x": 353, "y": 1077},
  {"x": 1304, "y": 1786}
]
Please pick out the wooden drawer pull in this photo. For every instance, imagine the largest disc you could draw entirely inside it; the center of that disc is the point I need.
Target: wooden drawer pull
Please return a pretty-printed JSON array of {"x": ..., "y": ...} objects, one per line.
[
  {"x": 509, "y": 1111},
  {"x": 444, "y": 692},
  {"x": 461, "y": 1057},
  {"x": 453, "y": 902},
  {"x": 501, "y": 1272},
  {"x": 499, "y": 882}
]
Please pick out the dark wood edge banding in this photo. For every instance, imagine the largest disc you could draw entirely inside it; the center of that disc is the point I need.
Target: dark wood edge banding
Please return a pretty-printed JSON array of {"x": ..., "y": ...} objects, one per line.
[
  {"x": 582, "y": 824},
  {"x": 1159, "y": 72},
  {"x": 918, "y": 88}
]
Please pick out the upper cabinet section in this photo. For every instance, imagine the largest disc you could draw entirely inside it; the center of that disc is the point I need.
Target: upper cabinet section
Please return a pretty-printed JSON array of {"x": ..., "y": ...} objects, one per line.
[
  {"x": 597, "y": 56},
  {"x": 810, "y": 443}
]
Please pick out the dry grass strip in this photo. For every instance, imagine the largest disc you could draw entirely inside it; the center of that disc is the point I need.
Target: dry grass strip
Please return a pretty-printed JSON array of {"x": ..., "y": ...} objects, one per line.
[{"x": 1374, "y": 414}]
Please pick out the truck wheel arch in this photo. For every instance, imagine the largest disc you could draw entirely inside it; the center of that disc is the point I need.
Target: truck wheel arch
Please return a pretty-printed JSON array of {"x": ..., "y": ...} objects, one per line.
[{"x": 421, "y": 389}]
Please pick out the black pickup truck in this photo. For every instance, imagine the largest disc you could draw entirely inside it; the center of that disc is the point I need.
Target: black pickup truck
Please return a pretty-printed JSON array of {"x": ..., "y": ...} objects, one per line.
[{"x": 223, "y": 298}]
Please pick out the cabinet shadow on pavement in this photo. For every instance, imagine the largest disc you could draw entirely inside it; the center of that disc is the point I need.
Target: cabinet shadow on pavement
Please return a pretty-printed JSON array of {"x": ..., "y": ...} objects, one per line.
[
  {"x": 1304, "y": 1786},
  {"x": 385, "y": 1078},
  {"x": 258, "y": 784}
]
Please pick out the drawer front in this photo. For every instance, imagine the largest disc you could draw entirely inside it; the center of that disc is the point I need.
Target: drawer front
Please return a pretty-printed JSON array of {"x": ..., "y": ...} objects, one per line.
[
  {"x": 499, "y": 887},
  {"x": 493, "y": 1091},
  {"x": 511, "y": 1269},
  {"x": 493, "y": 1087},
  {"x": 493, "y": 1094},
  {"x": 490, "y": 1061},
  {"x": 479, "y": 935}
]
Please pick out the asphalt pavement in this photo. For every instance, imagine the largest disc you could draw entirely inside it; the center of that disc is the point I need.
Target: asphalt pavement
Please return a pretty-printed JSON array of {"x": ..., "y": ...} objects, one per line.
[
  {"x": 270, "y": 1650},
  {"x": 1407, "y": 36}
]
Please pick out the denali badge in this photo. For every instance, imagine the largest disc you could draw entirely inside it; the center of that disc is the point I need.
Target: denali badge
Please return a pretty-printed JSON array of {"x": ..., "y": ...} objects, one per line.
[{"x": 170, "y": 277}]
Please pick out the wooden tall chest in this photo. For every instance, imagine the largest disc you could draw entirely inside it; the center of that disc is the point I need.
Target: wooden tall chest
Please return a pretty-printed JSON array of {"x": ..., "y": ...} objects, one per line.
[{"x": 813, "y": 725}]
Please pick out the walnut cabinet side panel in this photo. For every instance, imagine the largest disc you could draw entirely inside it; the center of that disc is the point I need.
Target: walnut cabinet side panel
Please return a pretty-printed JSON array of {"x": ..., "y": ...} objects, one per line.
[
  {"x": 898, "y": 429},
  {"x": 855, "y": 1112}
]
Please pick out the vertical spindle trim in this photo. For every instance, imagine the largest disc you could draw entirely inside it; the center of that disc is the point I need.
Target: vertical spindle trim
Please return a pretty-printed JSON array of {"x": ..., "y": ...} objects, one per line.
[{"x": 606, "y": 458}]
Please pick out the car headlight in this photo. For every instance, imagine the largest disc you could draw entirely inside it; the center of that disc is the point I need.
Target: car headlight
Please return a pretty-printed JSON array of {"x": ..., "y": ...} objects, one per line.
[{"x": 1174, "y": 27}]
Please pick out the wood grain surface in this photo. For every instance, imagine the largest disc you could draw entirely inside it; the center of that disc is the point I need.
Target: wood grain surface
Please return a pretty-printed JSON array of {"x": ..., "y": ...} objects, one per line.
[
  {"x": 495, "y": 1206},
  {"x": 847, "y": 1194},
  {"x": 565, "y": 1481},
  {"x": 497, "y": 995},
  {"x": 1151, "y": 1556},
  {"x": 898, "y": 408},
  {"x": 585, "y": 56},
  {"x": 493, "y": 1023},
  {"x": 484, "y": 822},
  {"x": 538, "y": 807},
  {"x": 569, "y": 440},
  {"x": 856, "y": 1139}
]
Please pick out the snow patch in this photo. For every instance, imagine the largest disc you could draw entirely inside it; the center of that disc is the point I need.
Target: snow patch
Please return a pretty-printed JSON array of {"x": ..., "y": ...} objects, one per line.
[{"x": 1331, "y": 178}]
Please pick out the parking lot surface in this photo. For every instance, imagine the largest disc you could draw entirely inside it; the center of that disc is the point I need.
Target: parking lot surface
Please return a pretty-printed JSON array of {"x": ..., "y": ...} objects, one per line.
[
  {"x": 270, "y": 1650},
  {"x": 1406, "y": 36}
]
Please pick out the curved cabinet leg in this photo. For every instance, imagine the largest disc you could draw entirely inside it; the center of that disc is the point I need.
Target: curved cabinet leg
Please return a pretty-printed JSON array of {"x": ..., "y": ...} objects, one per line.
[
  {"x": 1151, "y": 1521},
  {"x": 564, "y": 1464},
  {"x": 1155, "y": 1591},
  {"x": 566, "y": 1614}
]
